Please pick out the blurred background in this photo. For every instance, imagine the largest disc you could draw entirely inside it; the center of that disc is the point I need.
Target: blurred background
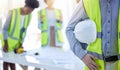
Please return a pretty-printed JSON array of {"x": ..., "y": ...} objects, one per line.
[
  {"x": 66, "y": 6},
  {"x": 32, "y": 40}
]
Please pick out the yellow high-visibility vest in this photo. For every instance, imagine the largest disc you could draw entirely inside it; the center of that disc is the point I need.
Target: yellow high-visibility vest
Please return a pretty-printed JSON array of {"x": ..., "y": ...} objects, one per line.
[
  {"x": 15, "y": 34},
  {"x": 1, "y": 38},
  {"x": 92, "y": 8},
  {"x": 44, "y": 34}
]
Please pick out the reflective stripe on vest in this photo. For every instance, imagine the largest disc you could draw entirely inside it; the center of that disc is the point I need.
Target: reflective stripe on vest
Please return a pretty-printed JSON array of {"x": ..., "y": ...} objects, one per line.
[
  {"x": 15, "y": 34},
  {"x": 44, "y": 35},
  {"x": 92, "y": 8}
]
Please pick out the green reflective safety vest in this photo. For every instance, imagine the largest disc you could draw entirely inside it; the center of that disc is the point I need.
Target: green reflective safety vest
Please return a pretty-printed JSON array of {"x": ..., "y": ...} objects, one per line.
[
  {"x": 92, "y": 8},
  {"x": 44, "y": 28},
  {"x": 1, "y": 38},
  {"x": 15, "y": 34}
]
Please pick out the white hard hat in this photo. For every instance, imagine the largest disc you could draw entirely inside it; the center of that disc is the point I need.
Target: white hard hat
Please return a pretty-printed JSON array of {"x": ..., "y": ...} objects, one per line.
[{"x": 85, "y": 31}]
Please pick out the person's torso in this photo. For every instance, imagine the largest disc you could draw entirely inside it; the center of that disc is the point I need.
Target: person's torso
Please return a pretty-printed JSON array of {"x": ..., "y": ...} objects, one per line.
[
  {"x": 109, "y": 19},
  {"x": 51, "y": 17},
  {"x": 22, "y": 21}
]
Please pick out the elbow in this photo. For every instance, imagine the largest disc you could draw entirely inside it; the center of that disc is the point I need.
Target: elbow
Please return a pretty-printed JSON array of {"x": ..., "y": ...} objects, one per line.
[
  {"x": 4, "y": 30},
  {"x": 68, "y": 31}
]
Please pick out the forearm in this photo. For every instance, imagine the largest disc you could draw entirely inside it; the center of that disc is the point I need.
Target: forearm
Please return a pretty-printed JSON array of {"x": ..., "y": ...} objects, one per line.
[
  {"x": 78, "y": 16},
  {"x": 6, "y": 26},
  {"x": 5, "y": 48},
  {"x": 6, "y": 43},
  {"x": 5, "y": 34},
  {"x": 75, "y": 45}
]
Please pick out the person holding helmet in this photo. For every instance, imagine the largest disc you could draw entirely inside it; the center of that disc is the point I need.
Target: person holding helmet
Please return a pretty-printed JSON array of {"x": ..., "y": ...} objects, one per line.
[
  {"x": 15, "y": 28},
  {"x": 104, "y": 52}
]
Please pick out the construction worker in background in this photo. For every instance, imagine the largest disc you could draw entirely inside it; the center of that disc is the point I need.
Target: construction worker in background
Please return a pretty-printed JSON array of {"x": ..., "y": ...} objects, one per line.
[
  {"x": 50, "y": 24},
  {"x": 1, "y": 36},
  {"x": 1, "y": 40},
  {"x": 15, "y": 28},
  {"x": 104, "y": 53}
]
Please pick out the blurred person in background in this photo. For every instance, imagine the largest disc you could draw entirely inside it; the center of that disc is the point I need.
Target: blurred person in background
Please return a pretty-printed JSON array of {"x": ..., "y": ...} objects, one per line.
[
  {"x": 15, "y": 28},
  {"x": 50, "y": 24},
  {"x": 1, "y": 36}
]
